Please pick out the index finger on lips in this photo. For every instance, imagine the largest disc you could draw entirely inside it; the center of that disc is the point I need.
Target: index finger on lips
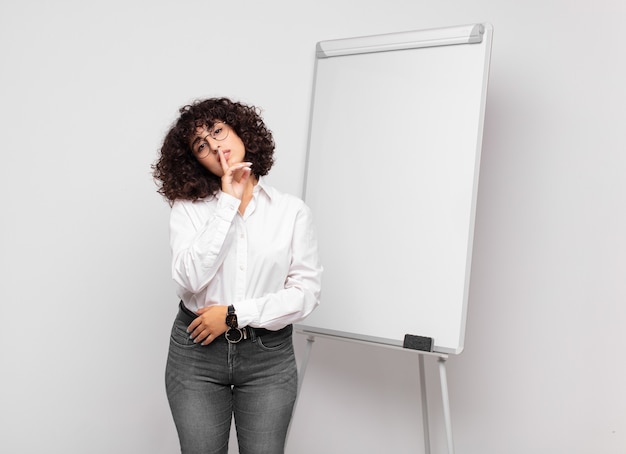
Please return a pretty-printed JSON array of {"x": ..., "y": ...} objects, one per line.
[{"x": 222, "y": 160}]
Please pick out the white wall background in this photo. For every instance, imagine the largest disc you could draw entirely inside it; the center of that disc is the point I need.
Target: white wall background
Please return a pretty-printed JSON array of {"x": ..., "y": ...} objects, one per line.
[{"x": 87, "y": 90}]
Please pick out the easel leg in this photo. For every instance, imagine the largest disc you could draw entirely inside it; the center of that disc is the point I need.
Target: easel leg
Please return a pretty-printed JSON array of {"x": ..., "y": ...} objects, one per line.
[
  {"x": 446, "y": 403},
  {"x": 424, "y": 405},
  {"x": 305, "y": 362},
  {"x": 301, "y": 372}
]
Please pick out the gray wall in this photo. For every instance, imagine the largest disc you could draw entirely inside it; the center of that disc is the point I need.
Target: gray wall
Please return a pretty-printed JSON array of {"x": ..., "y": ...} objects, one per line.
[{"x": 87, "y": 90}]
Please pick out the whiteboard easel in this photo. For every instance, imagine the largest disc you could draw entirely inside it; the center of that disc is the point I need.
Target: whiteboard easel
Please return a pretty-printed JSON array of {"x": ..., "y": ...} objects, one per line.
[{"x": 410, "y": 105}]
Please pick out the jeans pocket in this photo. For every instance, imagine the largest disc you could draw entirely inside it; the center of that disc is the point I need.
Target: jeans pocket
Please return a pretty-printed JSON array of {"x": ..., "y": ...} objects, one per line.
[
  {"x": 180, "y": 336},
  {"x": 275, "y": 341}
]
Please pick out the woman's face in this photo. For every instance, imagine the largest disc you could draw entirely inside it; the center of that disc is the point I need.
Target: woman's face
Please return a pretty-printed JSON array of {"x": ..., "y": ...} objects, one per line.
[{"x": 206, "y": 141}]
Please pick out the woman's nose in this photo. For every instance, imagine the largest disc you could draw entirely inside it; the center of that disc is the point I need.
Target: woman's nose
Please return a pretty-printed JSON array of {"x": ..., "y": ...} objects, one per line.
[{"x": 213, "y": 144}]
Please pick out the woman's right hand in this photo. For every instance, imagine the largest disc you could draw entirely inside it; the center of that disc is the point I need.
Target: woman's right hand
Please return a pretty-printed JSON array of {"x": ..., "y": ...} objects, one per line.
[{"x": 235, "y": 178}]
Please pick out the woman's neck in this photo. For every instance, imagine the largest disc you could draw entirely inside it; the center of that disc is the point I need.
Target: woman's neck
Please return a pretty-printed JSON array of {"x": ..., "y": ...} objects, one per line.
[{"x": 247, "y": 194}]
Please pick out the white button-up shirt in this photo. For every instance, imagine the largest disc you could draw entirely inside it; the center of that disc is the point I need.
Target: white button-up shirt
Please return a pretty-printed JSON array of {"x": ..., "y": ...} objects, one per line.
[{"x": 265, "y": 262}]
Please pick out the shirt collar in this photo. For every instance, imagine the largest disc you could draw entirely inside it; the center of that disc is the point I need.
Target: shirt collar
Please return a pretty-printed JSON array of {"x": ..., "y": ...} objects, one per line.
[{"x": 266, "y": 188}]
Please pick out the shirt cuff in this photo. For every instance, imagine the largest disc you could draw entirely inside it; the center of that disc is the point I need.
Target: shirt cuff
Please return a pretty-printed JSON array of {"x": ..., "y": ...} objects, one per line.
[
  {"x": 247, "y": 313},
  {"x": 228, "y": 203}
]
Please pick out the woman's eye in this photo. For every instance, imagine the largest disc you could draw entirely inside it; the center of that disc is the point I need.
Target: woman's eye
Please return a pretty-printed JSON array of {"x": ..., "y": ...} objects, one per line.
[{"x": 216, "y": 132}]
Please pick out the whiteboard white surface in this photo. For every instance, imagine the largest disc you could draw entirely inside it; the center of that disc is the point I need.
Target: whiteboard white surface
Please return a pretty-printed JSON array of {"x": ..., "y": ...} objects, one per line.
[{"x": 392, "y": 178}]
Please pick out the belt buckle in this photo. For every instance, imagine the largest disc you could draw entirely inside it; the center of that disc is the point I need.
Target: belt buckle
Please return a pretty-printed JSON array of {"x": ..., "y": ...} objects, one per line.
[{"x": 235, "y": 335}]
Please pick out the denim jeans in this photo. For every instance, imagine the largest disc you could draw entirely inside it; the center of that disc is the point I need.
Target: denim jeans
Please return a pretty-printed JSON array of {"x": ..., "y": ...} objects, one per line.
[{"x": 255, "y": 379}]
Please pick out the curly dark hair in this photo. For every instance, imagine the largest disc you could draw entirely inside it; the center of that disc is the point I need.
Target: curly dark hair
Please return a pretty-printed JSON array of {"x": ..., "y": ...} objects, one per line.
[{"x": 178, "y": 173}]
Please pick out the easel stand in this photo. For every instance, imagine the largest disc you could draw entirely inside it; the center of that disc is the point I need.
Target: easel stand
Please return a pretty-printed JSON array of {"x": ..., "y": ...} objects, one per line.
[{"x": 442, "y": 358}]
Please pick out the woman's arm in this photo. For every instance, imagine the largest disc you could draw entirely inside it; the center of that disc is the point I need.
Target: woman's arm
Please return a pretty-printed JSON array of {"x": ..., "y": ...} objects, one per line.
[
  {"x": 301, "y": 289},
  {"x": 199, "y": 244}
]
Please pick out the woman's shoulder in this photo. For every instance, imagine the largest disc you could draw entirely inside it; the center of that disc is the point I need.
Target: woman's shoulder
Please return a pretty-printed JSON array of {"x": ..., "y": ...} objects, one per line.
[{"x": 200, "y": 204}]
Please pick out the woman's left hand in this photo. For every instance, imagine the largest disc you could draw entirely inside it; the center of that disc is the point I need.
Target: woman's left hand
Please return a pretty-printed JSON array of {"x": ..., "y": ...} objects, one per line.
[{"x": 209, "y": 325}]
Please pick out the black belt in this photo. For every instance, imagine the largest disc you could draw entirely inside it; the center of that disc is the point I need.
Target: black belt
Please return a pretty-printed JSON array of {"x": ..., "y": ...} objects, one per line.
[{"x": 239, "y": 334}]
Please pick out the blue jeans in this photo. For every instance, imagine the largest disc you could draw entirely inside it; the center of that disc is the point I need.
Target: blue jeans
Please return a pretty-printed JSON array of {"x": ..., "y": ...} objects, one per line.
[{"x": 255, "y": 379}]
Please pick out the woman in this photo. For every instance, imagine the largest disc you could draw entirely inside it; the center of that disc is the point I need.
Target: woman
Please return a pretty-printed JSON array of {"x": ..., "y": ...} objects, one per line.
[{"x": 245, "y": 263}]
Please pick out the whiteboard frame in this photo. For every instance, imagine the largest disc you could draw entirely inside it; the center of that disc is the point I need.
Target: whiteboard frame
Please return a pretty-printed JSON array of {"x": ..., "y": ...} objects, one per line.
[{"x": 459, "y": 35}]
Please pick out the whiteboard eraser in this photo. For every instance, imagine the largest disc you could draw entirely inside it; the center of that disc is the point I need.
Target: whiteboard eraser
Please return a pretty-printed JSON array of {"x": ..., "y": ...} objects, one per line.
[{"x": 422, "y": 343}]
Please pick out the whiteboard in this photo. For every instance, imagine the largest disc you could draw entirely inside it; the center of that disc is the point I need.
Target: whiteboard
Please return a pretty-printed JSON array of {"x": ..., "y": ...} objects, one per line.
[{"x": 391, "y": 176}]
